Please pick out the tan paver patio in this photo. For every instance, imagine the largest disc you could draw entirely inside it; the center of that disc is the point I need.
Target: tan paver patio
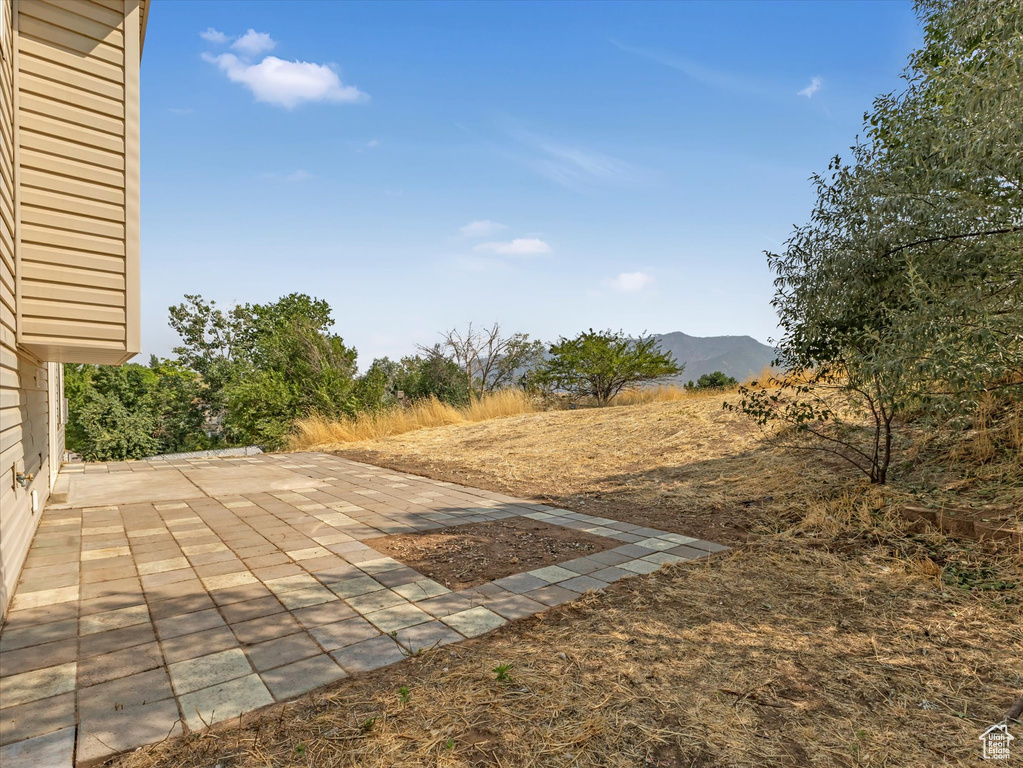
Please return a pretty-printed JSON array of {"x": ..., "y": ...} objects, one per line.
[{"x": 167, "y": 595}]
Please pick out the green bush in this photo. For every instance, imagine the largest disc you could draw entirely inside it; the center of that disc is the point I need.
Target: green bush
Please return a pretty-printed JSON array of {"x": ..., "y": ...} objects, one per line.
[{"x": 714, "y": 380}]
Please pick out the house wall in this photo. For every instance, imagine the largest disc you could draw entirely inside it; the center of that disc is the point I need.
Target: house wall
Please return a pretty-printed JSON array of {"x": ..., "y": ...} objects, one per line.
[
  {"x": 77, "y": 132},
  {"x": 69, "y": 230},
  {"x": 28, "y": 386}
]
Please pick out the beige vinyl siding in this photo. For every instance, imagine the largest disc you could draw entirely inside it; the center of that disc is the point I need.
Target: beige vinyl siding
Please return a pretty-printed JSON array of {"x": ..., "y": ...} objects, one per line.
[
  {"x": 25, "y": 404},
  {"x": 76, "y": 110}
]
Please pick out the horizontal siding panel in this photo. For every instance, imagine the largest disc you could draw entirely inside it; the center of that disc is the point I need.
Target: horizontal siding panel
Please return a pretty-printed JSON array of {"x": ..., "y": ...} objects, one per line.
[
  {"x": 71, "y": 240},
  {"x": 33, "y": 103},
  {"x": 51, "y": 182},
  {"x": 35, "y": 309},
  {"x": 63, "y": 166},
  {"x": 59, "y": 16},
  {"x": 51, "y": 273},
  {"x": 93, "y": 11},
  {"x": 69, "y": 147},
  {"x": 78, "y": 225},
  {"x": 47, "y": 69},
  {"x": 70, "y": 294},
  {"x": 48, "y": 125},
  {"x": 52, "y": 34},
  {"x": 47, "y": 330},
  {"x": 87, "y": 64},
  {"x": 69, "y": 94},
  {"x": 80, "y": 206},
  {"x": 62, "y": 257}
]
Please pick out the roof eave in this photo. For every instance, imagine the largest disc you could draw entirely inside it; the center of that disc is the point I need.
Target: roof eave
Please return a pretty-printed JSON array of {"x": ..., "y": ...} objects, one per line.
[{"x": 144, "y": 9}]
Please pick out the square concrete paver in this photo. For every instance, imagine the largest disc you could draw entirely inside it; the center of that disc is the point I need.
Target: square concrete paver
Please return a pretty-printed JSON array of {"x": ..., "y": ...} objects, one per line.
[
  {"x": 474, "y": 622},
  {"x": 202, "y": 671},
  {"x": 225, "y": 701},
  {"x": 370, "y": 654},
  {"x": 206, "y": 588},
  {"x": 54, "y": 750},
  {"x": 303, "y": 676}
]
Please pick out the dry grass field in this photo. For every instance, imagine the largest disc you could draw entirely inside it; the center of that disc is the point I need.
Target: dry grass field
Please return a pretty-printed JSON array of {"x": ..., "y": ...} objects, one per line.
[{"x": 834, "y": 634}]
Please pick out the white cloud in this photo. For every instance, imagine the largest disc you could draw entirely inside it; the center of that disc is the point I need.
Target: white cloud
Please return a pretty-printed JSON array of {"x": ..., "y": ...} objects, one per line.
[
  {"x": 816, "y": 83},
  {"x": 215, "y": 36},
  {"x": 373, "y": 143},
  {"x": 287, "y": 83},
  {"x": 629, "y": 282},
  {"x": 253, "y": 43},
  {"x": 482, "y": 228},
  {"x": 520, "y": 246}
]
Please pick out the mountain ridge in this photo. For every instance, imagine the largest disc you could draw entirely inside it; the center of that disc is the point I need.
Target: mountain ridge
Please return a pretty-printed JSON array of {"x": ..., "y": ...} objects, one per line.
[{"x": 737, "y": 356}]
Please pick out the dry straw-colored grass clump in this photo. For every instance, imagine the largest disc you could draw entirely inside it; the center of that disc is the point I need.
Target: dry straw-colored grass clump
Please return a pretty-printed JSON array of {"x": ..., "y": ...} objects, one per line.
[{"x": 316, "y": 431}]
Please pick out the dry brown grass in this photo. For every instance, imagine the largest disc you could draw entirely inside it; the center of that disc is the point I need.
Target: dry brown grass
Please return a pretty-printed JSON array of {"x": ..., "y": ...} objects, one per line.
[
  {"x": 838, "y": 634},
  {"x": 316, "y": 432}
]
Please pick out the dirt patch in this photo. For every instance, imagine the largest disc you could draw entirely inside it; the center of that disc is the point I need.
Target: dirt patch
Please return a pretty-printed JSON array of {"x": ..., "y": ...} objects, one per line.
[
  {"x": 465, "y": 556},
  {"x": 684, "y": 467}
]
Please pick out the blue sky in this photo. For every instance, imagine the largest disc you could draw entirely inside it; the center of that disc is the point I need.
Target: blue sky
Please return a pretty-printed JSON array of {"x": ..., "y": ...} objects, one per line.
[{"x": 549, "y": 166}]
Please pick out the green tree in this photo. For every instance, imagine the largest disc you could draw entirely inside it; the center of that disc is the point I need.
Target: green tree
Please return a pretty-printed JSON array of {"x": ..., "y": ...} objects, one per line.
[
  {"x": 182, "y": 412},
  {"x": 714, "y": 380},
  {"x": 291, "y": 366},
  {"x": 113, "y": 412},
  {"x": 904, "y": 292},
  {"x": 600, "y": 364},
  {"x": 436, "y": 376},
  {"x": 133, "y": 411},
  {"x": 211, "y": 346}
]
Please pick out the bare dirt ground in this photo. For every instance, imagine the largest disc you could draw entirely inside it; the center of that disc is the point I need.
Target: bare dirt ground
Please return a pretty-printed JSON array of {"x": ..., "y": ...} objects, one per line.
[
  {"x": 683, "y": 466},
  {"x": 835, "y": 634},
  {"x": 464, "y": 556}
]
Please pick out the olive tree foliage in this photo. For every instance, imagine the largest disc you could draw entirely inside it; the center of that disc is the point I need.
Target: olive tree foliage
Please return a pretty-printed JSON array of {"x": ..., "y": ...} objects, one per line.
[
  {"x": 600, "y": 364},
  {"x": 489, "y": 359},
  {"x": 904, "y": 291}
]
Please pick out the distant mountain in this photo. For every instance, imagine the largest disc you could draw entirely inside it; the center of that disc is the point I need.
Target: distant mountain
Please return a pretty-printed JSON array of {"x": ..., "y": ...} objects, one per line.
[{"x": 738, "y": 356}]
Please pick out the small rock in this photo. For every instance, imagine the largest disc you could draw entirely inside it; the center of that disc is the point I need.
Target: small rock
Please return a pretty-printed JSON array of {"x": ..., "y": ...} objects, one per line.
[{"x": 562, "y": 656}]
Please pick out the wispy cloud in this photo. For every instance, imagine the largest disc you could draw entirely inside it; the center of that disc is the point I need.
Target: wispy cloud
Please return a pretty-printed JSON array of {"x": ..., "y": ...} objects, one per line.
[
  {"x": 575, "y": 167},
  {"x": 214, "y": 36},
  {"x": 714, "y": 78},
  {"x": 520, "y": 246},
  {"x": 816, "y": 83},
  {"x": 295, "y": 176},
  {"x": 373, "y": 143},
  {"x": 482, "y": 228},
  {"x": 629, "y": 282},
  {"x": 276, "y": 81},
  {"x": 253, "y": 43}
]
